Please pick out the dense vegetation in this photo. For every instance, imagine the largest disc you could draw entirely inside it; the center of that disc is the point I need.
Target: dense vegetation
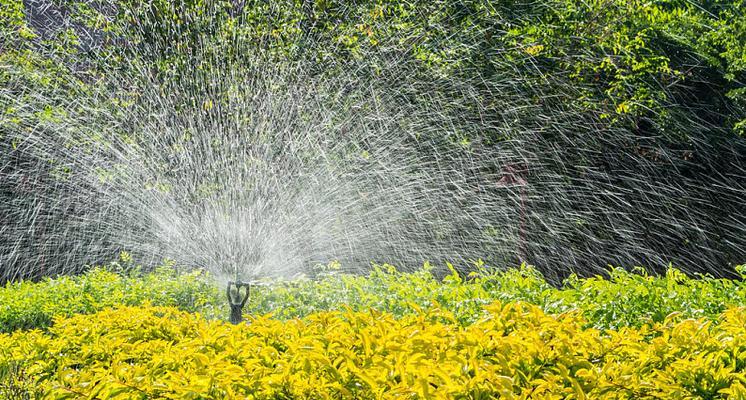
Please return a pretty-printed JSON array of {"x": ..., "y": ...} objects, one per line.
[
  {"x": 624, "y": 300},
  {"x": 659, "y": 60},
  {"x": 516, "y": 351},
  {"x": 640, "y": 102},
  {"x": 625, "y": 121},
  {"x": 494, "y": 333},
  {"x": 27, "y": 305}
]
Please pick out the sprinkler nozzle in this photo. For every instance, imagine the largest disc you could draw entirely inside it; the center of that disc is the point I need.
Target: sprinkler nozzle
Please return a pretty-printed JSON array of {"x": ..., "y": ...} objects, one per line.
[{"x": 237, "y": 300}]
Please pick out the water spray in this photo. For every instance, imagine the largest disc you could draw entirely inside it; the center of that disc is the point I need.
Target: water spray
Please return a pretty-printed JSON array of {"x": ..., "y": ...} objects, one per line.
[
  {"x": 364, "y": 161},
  {"x": 236, "y": 300},
  {"x": 514, "y": 176}
]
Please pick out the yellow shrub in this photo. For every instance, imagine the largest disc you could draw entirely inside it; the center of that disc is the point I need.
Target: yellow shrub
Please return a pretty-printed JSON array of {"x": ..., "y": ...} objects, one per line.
[{"x": 516, "y": 352}]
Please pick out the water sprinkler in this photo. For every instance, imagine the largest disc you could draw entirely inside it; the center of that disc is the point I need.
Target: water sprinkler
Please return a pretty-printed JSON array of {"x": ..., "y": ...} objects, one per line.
[{"x": 237, "y": 300}]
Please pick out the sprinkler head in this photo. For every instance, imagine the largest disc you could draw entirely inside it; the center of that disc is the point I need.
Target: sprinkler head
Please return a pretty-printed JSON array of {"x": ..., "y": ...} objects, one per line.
[{"x": 237, "y": 300}]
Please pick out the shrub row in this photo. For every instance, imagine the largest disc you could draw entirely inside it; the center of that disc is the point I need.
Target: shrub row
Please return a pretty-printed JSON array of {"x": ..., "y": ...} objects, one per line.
[
  {"x": 623, "y": 299},
  {"x": 26, "y": 305},
  {"x": 515, "y": 351}
]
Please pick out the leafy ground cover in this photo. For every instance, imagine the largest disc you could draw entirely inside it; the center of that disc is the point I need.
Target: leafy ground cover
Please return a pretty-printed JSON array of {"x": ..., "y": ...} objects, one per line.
[
  {"x": 514, "y": 351},
  {"x": 508, "y": 333},
  {"x": 623, "y": 299},
  {"x": 26, "y": 305}
]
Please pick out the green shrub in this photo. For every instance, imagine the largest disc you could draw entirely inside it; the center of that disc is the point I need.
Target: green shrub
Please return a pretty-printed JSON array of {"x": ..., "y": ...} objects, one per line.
[
  {"x": 623, "y": 299},
  {"x": 26, "y": 305}
]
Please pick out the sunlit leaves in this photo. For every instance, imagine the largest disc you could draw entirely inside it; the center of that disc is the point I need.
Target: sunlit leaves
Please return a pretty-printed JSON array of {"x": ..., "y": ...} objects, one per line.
[
  {"x": 28, "y": 305},
  {"x": 624, "y": 299},
  {"x": 515, "y": 351}
]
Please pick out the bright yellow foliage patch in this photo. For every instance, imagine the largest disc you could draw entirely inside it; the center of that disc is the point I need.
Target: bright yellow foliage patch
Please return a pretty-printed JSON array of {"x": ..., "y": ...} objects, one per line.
[{"x": 517, "y": 352}]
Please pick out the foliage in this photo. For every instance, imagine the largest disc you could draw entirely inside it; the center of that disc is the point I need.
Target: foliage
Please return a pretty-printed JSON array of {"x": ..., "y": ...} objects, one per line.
[
  {"x": 624, "y": 299},
  {"x": 625, "y": 57},
  {"x": 640, "y": 58},
  {"x": 515, "y": 351},
  {"x": 626, "y": 60},
  {"x": 26, "y": 305}
]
